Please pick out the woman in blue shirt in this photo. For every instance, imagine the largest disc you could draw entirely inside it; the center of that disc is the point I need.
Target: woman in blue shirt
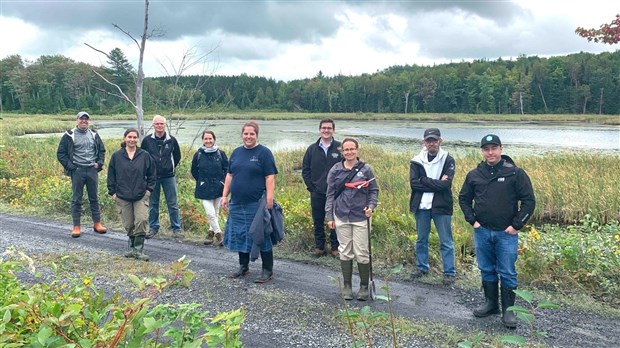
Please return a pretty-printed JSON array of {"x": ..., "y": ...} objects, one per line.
[{"x": 251, "y": 175}]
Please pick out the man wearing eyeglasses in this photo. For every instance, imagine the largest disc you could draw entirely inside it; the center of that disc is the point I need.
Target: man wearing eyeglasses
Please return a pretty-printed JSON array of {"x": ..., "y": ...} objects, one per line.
[
  {"x": 81, "y": 153},
  {"x": 430, "y": 177},
  {"x": 318, "y": 160}
]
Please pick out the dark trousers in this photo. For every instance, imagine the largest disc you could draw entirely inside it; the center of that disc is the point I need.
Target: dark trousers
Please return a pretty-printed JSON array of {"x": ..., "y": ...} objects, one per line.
[
  {"x": 317, "y": 202},
  {"x": 81, "y": 177}
]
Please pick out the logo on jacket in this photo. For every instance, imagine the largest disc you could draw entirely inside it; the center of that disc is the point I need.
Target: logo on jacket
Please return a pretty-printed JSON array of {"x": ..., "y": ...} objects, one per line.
[
  {"x": 501, "y": 179},
  {"x": 335, "y": 155}
]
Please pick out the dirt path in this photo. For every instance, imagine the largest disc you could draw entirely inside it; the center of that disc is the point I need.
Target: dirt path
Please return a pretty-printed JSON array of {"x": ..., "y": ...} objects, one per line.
[{"x": 297, "y": 309}]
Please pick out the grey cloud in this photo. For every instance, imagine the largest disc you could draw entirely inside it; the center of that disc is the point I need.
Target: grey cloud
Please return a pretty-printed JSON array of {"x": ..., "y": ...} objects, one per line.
[{"x": 283, "y": 21}]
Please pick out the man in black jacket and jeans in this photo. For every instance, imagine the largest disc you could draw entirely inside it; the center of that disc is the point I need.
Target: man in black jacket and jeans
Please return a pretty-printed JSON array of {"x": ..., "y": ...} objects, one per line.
[
  {"x": 165, "y": 150},
  {"x": 430, "y": 177},
  {"x": 318, "y": 160},
  {"x": 497, "y": 199}
]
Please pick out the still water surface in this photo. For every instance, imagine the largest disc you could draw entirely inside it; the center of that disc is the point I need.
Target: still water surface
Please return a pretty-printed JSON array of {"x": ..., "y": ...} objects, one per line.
[{"x": 399, "y": 136}]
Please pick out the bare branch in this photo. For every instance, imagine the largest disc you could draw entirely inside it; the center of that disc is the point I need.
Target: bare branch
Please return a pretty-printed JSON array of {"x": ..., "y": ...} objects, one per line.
[
  {"x": 128, "y": 34},
  {"x": 120, "y": 90},
  {"x": 98, "y": 50}
]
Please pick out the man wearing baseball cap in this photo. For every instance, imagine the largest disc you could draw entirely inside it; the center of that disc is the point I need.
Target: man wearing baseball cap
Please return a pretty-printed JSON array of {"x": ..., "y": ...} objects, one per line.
[
  {"x": 497, "y": 199},
  {"x": 430, "y": 177},
  {"x": 81, "y": 153}
]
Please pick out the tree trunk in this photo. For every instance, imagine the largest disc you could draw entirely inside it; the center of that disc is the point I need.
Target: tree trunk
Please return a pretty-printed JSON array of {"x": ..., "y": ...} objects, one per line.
[
  {"x": 140, "y": 78},
  {"x": 543, "y": 97},
  {"x": 407, "y": 101},
  {"x": 600, "y": 103}
]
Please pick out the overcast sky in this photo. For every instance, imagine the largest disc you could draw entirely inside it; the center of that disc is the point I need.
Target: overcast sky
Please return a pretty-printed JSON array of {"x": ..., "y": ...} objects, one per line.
[{"x": 295, "y": 39}]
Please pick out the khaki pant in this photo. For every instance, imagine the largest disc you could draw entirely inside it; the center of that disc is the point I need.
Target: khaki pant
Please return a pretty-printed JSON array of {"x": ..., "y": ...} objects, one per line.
[
  {"x": 353, "y": 240},
  {"x": 134, "y": 215}
]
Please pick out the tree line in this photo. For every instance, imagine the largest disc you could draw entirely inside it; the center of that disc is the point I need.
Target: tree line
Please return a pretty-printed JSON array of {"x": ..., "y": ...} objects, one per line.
[{"x": 572, "y": 84}]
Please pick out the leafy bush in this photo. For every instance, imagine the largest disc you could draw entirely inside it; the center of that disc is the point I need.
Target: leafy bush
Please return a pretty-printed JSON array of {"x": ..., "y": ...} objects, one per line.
[{"x": 70, "y": 311}]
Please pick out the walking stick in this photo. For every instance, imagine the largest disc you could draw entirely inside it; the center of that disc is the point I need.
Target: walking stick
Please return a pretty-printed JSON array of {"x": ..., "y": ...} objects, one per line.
[{"x": 371, "y": 286}]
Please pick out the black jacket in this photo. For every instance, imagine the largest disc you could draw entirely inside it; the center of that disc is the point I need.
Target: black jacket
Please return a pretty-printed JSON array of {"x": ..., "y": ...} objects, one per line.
[
  {"x": 316, "y": 165},
  {"x": 167, "y": 156},
  {"x": 128, "y": 178},
  {"x": 493, "y": 200},
  {"x": 442, "y": 189},
  {"x": 65, "y": 151},
  {"x": 209, "y": 170}
]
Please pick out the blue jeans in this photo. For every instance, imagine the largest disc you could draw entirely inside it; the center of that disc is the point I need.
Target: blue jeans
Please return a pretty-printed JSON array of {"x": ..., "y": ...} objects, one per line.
[
  {"x": 443, "y": 223},
  {"x": 496, "y": 252},
  {"x": 170, "y": 192}
]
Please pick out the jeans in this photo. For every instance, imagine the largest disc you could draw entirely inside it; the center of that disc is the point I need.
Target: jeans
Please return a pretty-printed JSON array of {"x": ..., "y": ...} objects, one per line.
[
  {"x": 170, "y": 192},
  {"x": 496, "y": 252},
  {"x": 443, "y": 223},
  {"x": 317, "y": 202},
  {"x": 84, "y": 176}
]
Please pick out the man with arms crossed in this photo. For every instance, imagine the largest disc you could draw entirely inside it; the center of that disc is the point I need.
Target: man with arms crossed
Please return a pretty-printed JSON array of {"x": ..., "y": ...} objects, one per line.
[
  {"x": 497, "y": 199},
  {"x": 318, "y": 160},
  {"x": 165, "y": 150},
  {"x": 430, "y": 176},
  {"x": 81, "y": 153}
]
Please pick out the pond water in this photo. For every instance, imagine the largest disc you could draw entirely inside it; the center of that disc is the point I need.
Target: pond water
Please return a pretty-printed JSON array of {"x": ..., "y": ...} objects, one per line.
[{"x": 399, "y": 136}]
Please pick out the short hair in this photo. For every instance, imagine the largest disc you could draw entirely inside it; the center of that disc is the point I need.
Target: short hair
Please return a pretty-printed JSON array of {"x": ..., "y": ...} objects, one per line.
[
  {"x": 327, "y": 120},
  {"x": 159, "y": 116},
  {"x": 206, "y": 131},
  {"x": 352, "y": 140},
  {"x": 252, "y": 124}
]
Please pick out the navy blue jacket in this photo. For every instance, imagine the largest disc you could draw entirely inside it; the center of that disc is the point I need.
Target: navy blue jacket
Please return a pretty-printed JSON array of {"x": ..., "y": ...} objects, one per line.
[{"x": 209, "y": 170}]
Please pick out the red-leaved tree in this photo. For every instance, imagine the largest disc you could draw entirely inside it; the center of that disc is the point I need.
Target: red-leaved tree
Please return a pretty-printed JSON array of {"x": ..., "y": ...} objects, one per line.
[{"x": 608, "y": 33}]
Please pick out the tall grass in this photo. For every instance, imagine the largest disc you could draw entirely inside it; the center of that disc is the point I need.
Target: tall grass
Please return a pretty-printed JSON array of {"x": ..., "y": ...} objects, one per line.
[{"x": 568, "y": 186}]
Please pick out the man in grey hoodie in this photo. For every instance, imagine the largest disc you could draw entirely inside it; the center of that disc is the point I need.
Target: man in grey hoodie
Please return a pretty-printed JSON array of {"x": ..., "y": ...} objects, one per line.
[{"x": 430, "y": 176}]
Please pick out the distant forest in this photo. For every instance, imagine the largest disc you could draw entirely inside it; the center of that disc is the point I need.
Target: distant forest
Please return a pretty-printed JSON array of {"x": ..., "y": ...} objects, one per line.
[{"x": 573, "y": 84}]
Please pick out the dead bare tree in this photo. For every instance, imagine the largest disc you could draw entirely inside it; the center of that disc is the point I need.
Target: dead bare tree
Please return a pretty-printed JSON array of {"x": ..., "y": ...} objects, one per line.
[{"x": 139, "y": 77}]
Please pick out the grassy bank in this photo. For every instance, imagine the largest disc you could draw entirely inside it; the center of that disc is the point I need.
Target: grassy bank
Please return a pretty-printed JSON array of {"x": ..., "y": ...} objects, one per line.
[{"x": 573, "y": 240}]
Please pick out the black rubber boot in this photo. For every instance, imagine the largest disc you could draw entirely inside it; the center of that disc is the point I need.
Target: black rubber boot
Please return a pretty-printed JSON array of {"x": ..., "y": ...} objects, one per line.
[
  {"x": 267, "y": 273},
  {"x": 138, "y": 247},
  {"x": 363, "y": 294},
  {"x": 508, "y": 299},
  {"x": 490, "y": 306},
  {"x": 347, "y": 274},
  {"x": 130, "y": 246},
  {"x": 244, "y": 266}
]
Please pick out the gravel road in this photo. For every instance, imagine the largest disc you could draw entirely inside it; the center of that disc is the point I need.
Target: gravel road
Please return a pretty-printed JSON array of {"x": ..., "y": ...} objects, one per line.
[{"x": 298, "y": 308}]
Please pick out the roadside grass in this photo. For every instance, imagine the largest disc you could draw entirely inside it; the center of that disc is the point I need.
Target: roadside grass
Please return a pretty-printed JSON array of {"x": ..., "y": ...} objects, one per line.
[{"x": 558, "y": 252}]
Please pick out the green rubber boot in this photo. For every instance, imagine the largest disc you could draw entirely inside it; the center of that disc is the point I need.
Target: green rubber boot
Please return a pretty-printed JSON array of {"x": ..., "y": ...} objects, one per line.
[{"x": 347, "y": 274}]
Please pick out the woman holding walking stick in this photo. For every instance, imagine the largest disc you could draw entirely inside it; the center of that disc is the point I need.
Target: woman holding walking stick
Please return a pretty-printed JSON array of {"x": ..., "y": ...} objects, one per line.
[{"x": 352, "y": 194}]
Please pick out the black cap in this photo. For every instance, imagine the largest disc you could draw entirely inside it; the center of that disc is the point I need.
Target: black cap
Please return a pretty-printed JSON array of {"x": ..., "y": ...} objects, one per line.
[
  {"x": 490, "y": 139},
  {"x": 432, "y": 133}
]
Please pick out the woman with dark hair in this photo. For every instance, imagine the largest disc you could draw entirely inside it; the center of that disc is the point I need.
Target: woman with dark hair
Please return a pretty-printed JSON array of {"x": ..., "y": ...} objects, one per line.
[
  {"x": 131, "y": 178},
  {"x": 209, "y": 167},
  {"x": 250, "y": 179},
  {"x": 352, "y": 194}
]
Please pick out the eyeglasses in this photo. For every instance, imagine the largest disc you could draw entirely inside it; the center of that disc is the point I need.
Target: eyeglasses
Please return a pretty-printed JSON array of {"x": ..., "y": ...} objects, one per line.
[
  {"x": 327, "y": 128},
  {"x": 349, "y": 150}
]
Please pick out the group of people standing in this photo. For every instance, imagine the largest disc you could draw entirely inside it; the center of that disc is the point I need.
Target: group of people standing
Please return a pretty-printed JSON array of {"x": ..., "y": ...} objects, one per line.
[{"x": 496, "y": 198}]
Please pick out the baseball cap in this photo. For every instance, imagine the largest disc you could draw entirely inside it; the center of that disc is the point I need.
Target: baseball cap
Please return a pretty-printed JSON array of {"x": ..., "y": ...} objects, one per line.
[
  {"x": 490, "y": 139},
  {"x": 82, "y": 114},
  {"x": 432, "y": 133}
]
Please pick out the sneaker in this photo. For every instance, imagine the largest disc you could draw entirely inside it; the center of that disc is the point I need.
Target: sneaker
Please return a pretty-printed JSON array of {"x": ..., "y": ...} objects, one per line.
[
  {"x": 177, "y": 233},
  {"x": 151, "y": 234},
  {"x": 418, "y": 274},
  {"x": 448, "y": 279}
]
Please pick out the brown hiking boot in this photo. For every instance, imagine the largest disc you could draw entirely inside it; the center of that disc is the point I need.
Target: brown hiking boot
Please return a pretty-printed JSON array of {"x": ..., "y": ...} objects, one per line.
[
  {"x": 76, "y": 232},
  {"x": 99, "y": 228},
  {"x": 335, "y": 254},
  {"x": 317, "y": 253},
  {"x": 209, "y": 239},
  {"x": 219, "y": 239}
]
